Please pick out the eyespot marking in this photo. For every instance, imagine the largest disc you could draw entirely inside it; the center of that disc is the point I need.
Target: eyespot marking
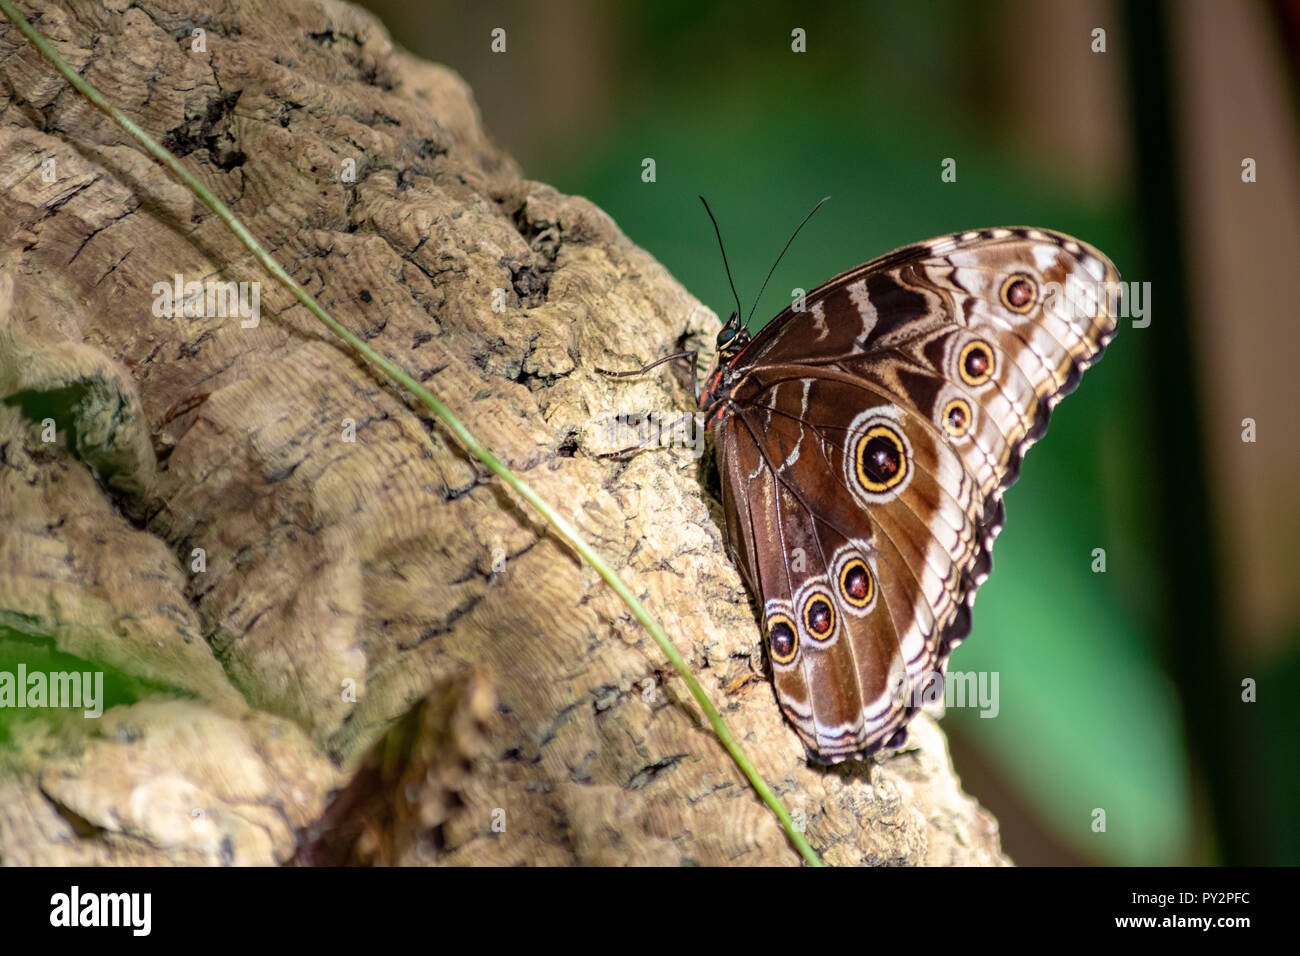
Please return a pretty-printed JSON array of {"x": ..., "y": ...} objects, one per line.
[
  {"x": 881, "y": 459},
  {"x": 783, "y": 640},
  {"x": 857, "y": 586},
  {"x": 975, "y": 362},
  {"x": 877, "y": 459},
  {"x": 819, "y": 616},
  {"x": 1019, "y": 293},
  {"x": 956, "y": 417}
]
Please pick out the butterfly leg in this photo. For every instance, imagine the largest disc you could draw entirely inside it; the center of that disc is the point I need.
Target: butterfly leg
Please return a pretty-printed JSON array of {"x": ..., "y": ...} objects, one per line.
[
  {"x": 692, "y": 355},
  {"x": 630, "y": 450}
]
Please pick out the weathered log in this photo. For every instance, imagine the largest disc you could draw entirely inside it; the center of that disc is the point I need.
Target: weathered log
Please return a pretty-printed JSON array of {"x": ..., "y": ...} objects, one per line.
[{"x": 277, "y": 554}]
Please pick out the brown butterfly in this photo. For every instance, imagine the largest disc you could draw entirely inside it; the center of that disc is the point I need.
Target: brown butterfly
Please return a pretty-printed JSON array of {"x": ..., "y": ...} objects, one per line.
[{"x": 864, "y": 439}]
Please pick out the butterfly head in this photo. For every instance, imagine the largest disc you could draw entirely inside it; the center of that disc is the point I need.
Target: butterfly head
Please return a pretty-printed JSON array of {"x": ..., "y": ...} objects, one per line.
[{"x": 732, "y": 338}]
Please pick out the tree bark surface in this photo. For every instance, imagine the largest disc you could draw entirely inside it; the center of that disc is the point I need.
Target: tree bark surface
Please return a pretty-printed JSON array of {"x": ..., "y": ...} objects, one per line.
[{"x": 268, "y": 594}]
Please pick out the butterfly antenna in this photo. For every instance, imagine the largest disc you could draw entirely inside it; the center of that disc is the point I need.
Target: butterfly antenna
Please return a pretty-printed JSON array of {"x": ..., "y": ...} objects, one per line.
[
  {"x": 778, "y": 258},
  {"x": 718, "y": 232}
]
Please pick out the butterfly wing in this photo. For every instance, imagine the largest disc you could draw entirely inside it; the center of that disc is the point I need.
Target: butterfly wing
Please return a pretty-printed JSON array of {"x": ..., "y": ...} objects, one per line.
[{"x": 864, "y": 451}]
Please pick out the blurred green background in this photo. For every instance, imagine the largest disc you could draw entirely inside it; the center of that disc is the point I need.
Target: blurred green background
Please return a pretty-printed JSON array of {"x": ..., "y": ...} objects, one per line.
[{"x": 1120, "y": 690}]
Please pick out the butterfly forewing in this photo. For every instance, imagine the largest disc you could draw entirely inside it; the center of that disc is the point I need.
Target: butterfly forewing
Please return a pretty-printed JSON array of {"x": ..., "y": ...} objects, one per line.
[{"x": 864, "y": 444}]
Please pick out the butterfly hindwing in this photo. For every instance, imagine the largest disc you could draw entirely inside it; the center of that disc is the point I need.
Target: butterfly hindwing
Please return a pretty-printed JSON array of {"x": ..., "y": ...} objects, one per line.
[{"x": 887, "y": 559}]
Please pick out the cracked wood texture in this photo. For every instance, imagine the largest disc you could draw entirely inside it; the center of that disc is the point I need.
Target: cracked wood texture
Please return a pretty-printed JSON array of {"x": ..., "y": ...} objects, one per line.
[{"x": 268, "y": 597}]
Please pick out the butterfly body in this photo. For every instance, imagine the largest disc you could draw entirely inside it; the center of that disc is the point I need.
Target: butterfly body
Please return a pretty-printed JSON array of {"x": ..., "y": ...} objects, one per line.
[{"x": 864, "y": 443}]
